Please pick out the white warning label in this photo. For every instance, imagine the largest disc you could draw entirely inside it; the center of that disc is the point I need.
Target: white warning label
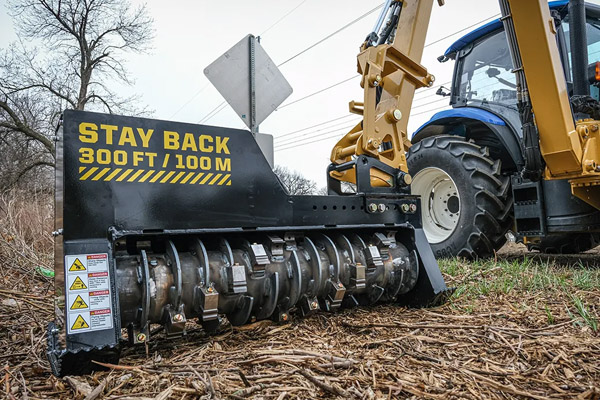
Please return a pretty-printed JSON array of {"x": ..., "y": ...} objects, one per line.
[{"x": 89, "y": 303}]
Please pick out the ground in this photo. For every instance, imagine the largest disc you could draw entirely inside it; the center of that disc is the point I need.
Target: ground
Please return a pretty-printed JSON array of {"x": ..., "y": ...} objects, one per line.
[{"x": 518, "y": 326}]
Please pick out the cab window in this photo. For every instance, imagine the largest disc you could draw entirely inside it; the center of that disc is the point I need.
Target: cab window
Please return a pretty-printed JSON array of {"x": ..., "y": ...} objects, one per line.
[{"x": 485, "y": 75}]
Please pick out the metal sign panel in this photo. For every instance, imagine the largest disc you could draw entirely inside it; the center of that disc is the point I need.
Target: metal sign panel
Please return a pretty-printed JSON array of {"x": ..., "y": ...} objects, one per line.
[{"x": 230, "y": 74}]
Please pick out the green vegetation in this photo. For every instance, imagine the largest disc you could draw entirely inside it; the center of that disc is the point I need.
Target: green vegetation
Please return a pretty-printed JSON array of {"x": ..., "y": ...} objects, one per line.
[{"x": 528, "y": 282}]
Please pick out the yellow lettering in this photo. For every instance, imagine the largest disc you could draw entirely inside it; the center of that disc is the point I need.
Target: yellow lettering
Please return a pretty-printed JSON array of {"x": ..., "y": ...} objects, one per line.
[
  {"x": 127, "y": 136},
  {"x": 171, "y": 140},
  {"x": 205, "y": 163},
  {"x": 103, "y": 156},
  {"x": 145, "y": 136},
  {"x": 120, "y": 157},
  {"x": 87, "y": 155},
  {"x": 222, "y": 145},
  {"x": 109, "y": 129},
  {"x": 189, "y": 142},
  {"x": 223, "y": 164},
  {"x": 88, "y": 132},
  {"x": 203, "y": 139},
  {"x": 151, "y": 157},
  {"x": 138, "y": 156}
]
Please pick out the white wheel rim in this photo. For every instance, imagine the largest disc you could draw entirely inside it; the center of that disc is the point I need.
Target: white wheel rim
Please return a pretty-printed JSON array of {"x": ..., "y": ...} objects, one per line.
[{"x": 440, "y": 203}]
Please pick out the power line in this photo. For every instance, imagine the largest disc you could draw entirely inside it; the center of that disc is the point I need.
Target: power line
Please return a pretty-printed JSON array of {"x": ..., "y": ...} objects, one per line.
[
  {"x": 310, "y": 140},
  {"x": 190, "y": 100},
  {"x": 210, "y": 114},
  {"x": 312, "y": 134},
  {"x": 313, "y": 126},
  {"x": 317, "y": 92},
  {"x": 461, "y": 30},
  {"x": 315, "y": 138},
  {"x": 205, "y": 86},
  {"x": 332, "y": 34},
  {"x": 282, "y": 18}
]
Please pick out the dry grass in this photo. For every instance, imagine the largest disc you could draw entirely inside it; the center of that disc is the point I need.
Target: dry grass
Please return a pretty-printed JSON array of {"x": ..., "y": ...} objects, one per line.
[{"x": 517, "y": 327}]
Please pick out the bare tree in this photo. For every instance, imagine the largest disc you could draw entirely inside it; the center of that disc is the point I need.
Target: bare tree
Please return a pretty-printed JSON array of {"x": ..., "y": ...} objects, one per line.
[
  {"x": 83, "y": 43},
  {"x": 295, "y": 182}
]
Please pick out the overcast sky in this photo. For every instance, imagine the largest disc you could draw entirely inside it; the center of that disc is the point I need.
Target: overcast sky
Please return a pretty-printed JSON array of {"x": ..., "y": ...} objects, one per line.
[{"x": 191, "y": 34}]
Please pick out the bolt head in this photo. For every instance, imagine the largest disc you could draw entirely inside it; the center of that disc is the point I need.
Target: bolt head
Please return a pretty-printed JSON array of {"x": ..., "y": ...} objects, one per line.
[
  {"x": 413, "y": 207},
  {"x": 340, "y": 285},
  {"x": 372, "y": 207},
  {"x": 405, "y": 208},
  {"x": 314, "y": 305},
  {"x": 141, "y": 337},
  {"x": 397, "y": 114},
  {"x": 284, "y": 317},
  {"x": 178, "y": 317},
  {"x": 210, "y": 289},
  {"x": 381, "y": 207}
]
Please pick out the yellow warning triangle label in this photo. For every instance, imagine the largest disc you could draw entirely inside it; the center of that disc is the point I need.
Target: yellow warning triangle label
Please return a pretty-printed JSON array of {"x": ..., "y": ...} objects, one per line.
[
  {"x": 79, "y": 303},
  {"x": 79, "y": 323},
  {"x": 77, "y": 266},
  {"x": 78, "y": 284}
]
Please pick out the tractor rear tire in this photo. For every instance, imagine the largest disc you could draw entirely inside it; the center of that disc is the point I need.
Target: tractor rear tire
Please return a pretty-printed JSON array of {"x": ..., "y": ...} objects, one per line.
[
  {"x": 446, "y": 169},
  {"x": 566, "y": 243}
]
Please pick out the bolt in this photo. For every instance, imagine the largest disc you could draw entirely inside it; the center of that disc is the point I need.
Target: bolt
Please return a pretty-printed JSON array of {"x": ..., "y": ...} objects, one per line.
[
  {"x": 284, "y": 317},
  {"x": 372, "y": 207},
  {"x": 154, "y": 263},
  {"x": 314, "y": 305},
  {"x": 340, "y": 285},
  {"x": 405, "y": 208},
  {"x": 141, "y": 337},
  {"x": 210, "y": 289},
  {"x": 381, "y": 207},
  {"x": 253, "y": 319},
  {"x": 413, "y": 208},
  {"x": 178, "y": 317},
  {"x": 397, "y": 114}
]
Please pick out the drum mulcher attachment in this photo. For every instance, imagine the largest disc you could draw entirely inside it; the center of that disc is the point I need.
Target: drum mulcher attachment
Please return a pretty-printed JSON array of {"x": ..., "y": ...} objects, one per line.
[{"x": 158, "y": 222}]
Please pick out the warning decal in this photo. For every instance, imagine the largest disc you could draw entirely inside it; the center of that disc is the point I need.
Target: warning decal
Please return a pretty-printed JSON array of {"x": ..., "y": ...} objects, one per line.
[
  {"x": 89, "y": 297},
  {"x": 78, "y": 284},
  {"x": 77, "y": 266},
  {"x": 79, "y": 303},
  {"x": 79, "y": 323}
]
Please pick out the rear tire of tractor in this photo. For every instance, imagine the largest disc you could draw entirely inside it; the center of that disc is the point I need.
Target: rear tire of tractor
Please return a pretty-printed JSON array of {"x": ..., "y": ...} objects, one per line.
[
  {"x": 566, "y": 243},
  {"x": 446, "y": 168}
]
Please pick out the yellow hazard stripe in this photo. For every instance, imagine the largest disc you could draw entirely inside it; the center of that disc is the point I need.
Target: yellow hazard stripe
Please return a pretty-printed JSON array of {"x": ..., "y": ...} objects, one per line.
[
  {"x": 134, "y": 176},
  {"x": 206, "y": 178},
  {"x": 167, "y": 177},
  {"x": 124, "y": 175},
  {"x": 148, "y": 175},
  {"x": 100, "y": 174},
  {"x": 158, "y": 175},
  {"x": 179, "y": 175},
  {"x": 113, "y": 174},
  {"x": 187, "y": 178},
  {"x": 216, "y": 178},
  {"x": 200, "y": 174},
  {"x": 90, "y": 172},
  {"x": 107, "y": 174},
  {"x": 225, "y": 178}
]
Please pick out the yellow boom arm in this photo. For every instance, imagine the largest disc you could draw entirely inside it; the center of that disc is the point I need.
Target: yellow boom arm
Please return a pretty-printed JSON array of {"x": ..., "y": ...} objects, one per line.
[{"x": 391, "y": 72}]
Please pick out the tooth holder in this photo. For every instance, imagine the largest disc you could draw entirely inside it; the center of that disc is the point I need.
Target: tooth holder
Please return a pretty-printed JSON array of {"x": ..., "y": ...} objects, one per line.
[{"x": 214, "y": 237}]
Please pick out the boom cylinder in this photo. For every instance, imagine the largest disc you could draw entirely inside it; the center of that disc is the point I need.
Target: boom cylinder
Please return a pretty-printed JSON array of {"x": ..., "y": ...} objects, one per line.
[{"x": 258, "y": 277}]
